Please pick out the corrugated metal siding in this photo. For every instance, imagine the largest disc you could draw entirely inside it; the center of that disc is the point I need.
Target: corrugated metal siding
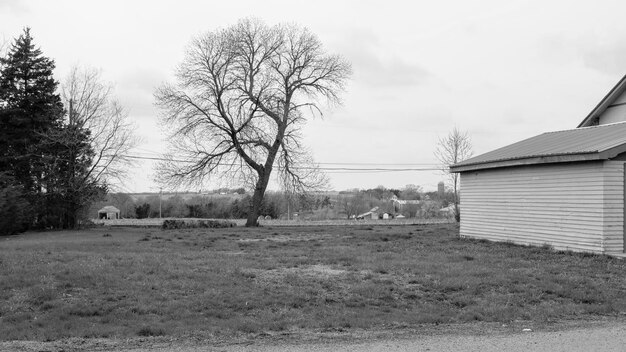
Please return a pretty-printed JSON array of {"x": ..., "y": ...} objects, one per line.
[
  {"x": 614, "y": 206},
  {"x": 558, "y": 204}
]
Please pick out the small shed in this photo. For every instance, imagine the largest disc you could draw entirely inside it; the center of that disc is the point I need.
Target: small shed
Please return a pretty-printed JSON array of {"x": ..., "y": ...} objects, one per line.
[
  {"x": 109, "y": 212},
  {"x": 565, "y": 189}
]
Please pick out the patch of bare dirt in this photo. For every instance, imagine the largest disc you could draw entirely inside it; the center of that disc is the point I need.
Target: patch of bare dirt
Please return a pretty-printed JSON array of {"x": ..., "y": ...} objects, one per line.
[{"x": 294, "y": 237}]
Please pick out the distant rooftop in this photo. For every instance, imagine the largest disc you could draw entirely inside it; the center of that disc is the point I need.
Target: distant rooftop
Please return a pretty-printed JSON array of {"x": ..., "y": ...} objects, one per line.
[{"x": 109, "y": 209}]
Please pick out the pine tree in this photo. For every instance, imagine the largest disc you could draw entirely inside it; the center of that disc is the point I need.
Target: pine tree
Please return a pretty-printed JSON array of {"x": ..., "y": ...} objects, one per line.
[
  {"x": 68, "y": 181},
  {"x": 29, "y": 108},
  {"x": 14, "y": 209}
]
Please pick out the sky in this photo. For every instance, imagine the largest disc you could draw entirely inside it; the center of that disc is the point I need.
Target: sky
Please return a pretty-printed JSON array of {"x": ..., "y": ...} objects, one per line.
[{"x": 503, "y": 71}]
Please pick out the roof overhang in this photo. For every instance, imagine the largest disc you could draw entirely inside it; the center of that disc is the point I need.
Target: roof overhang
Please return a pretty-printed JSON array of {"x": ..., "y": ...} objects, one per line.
[
  {"x": 538, "y": 160},
  {"x": 109, "y": 209},
  {"x": 568, "y": 158}
]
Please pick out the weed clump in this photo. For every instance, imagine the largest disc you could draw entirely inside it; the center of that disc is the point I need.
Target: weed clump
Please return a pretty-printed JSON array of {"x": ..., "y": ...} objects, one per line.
[
  {"x": 193, "y": 224},
  {"x": 150, "y": 331}
]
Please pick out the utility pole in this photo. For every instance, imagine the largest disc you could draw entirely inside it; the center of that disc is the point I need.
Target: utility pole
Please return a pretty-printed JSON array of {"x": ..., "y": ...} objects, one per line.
[
  {"x": 160, "y": 194},
  {"x": 288, "y": 198}
]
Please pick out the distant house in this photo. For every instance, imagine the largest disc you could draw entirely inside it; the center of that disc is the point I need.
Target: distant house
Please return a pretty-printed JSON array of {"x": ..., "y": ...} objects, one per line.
[
  {"x": 109, "y": 212},
  {"x": 402, "y": 202},
  {"x": 450, "y": 210},
  {"x": 372, "y": 214},
  {"x": 565, "y": 188},
  {"x": 406, "y": 205}
]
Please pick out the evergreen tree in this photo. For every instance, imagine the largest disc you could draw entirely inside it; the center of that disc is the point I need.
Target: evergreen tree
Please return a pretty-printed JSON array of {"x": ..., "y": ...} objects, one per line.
[
  {"x": 14, "y": 209},
  {"x": 68, "y": 182},
  {"x": 29, "y": 109}
]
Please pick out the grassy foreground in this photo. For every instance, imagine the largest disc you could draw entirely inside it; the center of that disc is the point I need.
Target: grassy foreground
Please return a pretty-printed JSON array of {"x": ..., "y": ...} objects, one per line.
[{"x": 124, "y": 282}]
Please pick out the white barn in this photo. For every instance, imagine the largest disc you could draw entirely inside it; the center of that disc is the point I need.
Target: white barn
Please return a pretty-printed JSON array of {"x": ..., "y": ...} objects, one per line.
[
  {"x": 109, "y": 212},
  {"x": 565, "y": 188}
]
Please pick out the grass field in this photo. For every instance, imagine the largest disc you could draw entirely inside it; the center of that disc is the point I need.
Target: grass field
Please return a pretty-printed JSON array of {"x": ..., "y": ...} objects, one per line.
[
  {"x": 124, "y": 282},
  {"x": 157, "y": 222}
]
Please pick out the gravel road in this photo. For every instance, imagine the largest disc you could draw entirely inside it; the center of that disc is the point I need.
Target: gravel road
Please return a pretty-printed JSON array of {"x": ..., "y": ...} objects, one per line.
[{"x": 611, "y": 337}]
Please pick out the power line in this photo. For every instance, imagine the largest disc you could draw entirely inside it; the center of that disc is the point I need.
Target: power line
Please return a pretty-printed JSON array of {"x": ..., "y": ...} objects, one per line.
[
  {"x": 338, "y": 169},
  {"x": 382, "y": 164},
  {"x": 370, "y": 169},
  {"x": 319, "y": 163}
]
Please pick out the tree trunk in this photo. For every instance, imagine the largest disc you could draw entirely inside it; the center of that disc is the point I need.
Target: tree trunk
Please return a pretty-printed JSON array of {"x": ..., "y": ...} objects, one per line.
[
  {"x": 257, "y": 200},
  {"x": 72, "y": 218}
]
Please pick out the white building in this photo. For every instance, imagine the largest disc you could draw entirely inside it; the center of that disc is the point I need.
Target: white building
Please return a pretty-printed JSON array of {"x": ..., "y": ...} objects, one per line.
[
  {"x": 565, "y": 188},
  {"x": 109, "y": 212}
]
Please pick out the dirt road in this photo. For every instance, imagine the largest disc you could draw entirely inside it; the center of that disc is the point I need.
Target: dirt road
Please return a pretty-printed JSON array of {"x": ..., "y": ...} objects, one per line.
[
  {"x": 606, "y": 337},
  {"x": 611, "y": 338}
]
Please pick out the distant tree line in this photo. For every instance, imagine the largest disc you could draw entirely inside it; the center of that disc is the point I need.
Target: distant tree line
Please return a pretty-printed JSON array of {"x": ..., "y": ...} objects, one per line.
[
  {"x": 229, "y": 204},
  {"x": 52, "y": 161}
]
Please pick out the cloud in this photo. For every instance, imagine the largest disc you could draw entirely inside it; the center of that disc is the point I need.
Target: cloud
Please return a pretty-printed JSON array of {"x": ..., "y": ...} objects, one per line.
[
  {"x": 137, "y": 88},
  {"x": 15, "y": 6},
  {"x": 606, "y": 55},
  {"x": 374, "y": 65}
]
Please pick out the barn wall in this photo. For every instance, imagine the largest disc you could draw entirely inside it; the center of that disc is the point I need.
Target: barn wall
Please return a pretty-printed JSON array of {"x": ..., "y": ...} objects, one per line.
[
  {"x": 614, "y": 210},
  {"x": 615, "y": 112},
  {"x": 556, "y": 204}
]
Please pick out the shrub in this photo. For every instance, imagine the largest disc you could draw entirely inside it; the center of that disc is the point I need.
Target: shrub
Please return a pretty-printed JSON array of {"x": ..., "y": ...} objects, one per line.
[
  {"x": 151, "y": 331},
  {"x": 190, "y": 224},
  {"x": 142, "y": 211}
]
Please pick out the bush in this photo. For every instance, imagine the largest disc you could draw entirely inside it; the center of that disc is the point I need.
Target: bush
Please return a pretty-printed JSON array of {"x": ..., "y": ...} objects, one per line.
[
  {"x": 192, "y": 224},
  {"x": 430, "y": 210},
  {"x": 142, "y": 211},
  {"x": 151, "y": 331}
]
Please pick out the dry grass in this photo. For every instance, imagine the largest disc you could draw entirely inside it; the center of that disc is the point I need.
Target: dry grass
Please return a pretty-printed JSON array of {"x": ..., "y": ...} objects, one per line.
[
  {"x": 156, "y": 222},
  {"x": 124, "y": 282}
]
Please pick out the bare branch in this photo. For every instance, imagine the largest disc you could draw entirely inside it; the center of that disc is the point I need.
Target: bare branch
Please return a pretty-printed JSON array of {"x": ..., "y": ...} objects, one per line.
[
  {"x": 452, "y": 149},
  {"x": 91, "y": 106},
  {"x": 241, "y": 95}
]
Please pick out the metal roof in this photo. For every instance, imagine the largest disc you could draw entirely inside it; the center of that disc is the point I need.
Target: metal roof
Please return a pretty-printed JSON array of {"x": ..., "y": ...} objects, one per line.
[
  {"x": 109, "y": 209},
  {"x": 580, "y": 144}
]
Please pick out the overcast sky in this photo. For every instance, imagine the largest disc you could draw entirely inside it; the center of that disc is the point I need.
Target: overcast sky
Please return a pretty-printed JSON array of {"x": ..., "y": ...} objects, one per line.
[{"x": 501, "y": 70}]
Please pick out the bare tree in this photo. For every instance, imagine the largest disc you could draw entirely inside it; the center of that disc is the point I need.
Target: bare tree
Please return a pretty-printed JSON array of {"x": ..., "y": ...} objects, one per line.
[
  {"x": 353, "y": 205},
  {"x": 91, "y": 106},
  {"x": 3, "y": 46},
  {"x": 454, "y": 148},
  {"x": 241, "y": 95}
]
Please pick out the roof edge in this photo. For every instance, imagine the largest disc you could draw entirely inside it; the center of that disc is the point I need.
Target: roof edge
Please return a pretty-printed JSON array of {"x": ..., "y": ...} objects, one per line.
[
  {"x": 552, "y": 159},
  {"x": 605, "y": 102},
  {"x": 613, "y": 152}
]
